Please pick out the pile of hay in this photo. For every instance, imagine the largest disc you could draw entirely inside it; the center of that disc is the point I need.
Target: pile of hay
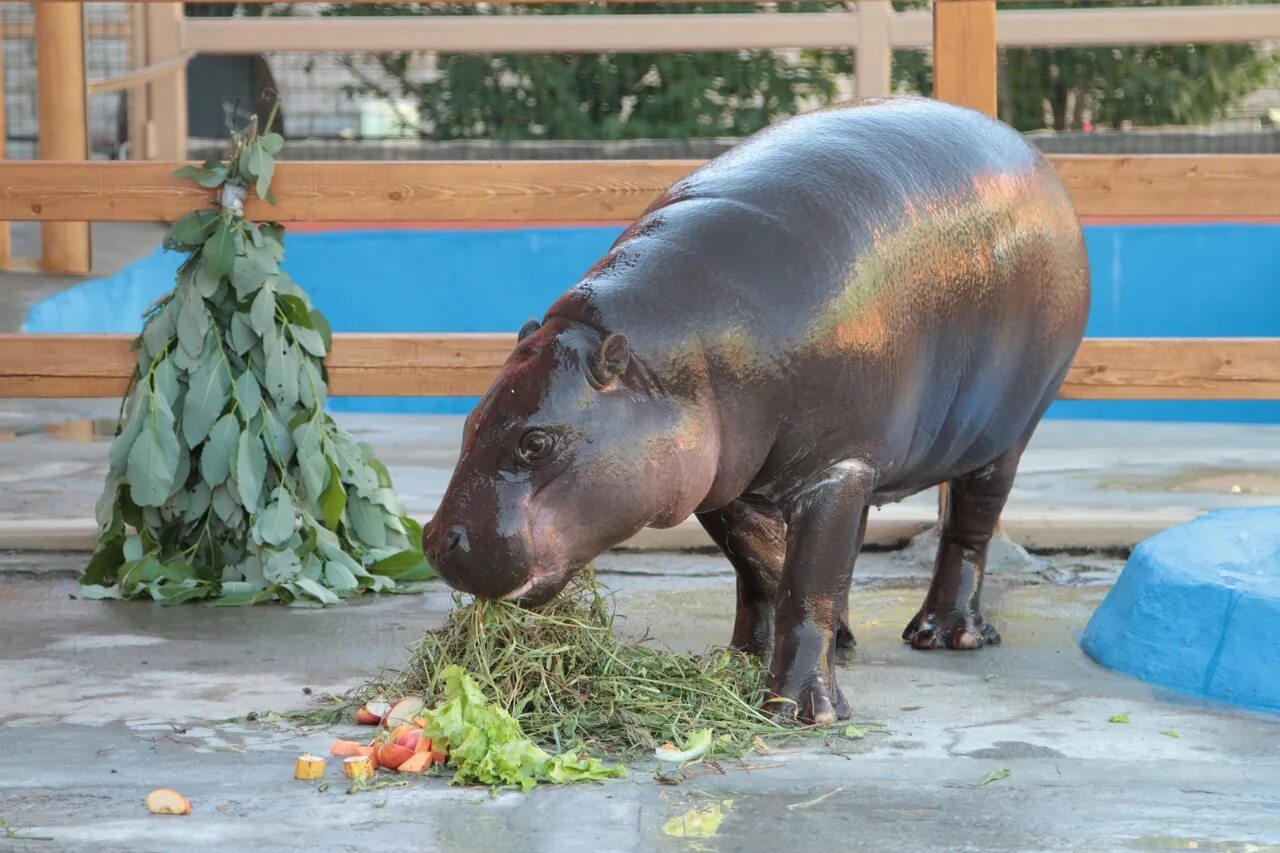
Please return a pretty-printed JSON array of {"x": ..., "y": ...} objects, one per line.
[{"x": 570, "y": 680}]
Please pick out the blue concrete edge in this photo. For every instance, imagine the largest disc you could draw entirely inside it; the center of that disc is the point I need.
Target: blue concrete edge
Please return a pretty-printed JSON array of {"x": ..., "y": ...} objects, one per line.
[{"x": 1197, "y": 609}]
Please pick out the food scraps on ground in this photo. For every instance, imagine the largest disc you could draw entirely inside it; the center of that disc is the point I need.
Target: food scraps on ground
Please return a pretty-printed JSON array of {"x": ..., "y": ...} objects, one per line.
[
  {"x": 372, "y": 712},
  {"x": 567, "y": 678},
  {"x": 308, "y": 767},
  {"x": 167, "y": 801},
  {"x": 357, "y": 767}
]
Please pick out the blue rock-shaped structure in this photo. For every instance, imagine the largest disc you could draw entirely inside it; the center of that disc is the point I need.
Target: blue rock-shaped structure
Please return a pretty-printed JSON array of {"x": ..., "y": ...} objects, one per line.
[{"x": 1197, "y": 609}]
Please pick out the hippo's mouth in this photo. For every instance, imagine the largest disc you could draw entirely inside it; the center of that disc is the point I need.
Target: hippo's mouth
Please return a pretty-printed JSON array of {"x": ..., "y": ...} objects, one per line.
[{"x": 540, "y": 588}]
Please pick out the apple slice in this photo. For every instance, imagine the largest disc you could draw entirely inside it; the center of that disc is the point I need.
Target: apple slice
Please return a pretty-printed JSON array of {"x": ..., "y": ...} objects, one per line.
[
  {"x": 439, "y": 758},
  {"x": 345, "y": 747},
  {"x": 410, "y": 739},
  {"x": 167, "y": 801},
  {"x": 372, "y": 713},
  {"x": 403, "y": 712},
  {"x": 392, "y": 755},
  {"x": 417, "y": 763}
]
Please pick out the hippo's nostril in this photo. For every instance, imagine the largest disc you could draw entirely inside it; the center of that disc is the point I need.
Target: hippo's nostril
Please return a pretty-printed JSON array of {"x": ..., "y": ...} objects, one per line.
[{"x": 457, "y": 536}]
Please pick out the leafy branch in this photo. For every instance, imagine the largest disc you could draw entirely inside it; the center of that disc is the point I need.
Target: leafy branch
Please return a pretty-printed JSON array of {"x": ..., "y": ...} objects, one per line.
[{"x": 227, "y": 479}]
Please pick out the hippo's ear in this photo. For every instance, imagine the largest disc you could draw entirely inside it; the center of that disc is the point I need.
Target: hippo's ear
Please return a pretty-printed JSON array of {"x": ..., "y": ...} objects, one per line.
[
  {"x": 608, "y": 362},
  {"x": 528, "y": 329}
]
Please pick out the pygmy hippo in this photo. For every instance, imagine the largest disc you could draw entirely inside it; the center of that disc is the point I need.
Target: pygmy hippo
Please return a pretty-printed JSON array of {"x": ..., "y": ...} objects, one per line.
[{"x": 849, "y": 307}]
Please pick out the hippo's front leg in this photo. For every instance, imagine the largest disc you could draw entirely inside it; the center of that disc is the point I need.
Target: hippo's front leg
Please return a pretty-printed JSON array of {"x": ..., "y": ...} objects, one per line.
[{"x": 826, "y": 525}]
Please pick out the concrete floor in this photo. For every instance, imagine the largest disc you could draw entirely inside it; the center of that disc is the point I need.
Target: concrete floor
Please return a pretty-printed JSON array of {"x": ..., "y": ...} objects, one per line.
[{"x": 107, "y": 700}]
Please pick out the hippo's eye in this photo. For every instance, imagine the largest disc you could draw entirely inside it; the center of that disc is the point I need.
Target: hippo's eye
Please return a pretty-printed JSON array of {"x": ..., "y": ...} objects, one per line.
[{"x": 535, "y": 447}]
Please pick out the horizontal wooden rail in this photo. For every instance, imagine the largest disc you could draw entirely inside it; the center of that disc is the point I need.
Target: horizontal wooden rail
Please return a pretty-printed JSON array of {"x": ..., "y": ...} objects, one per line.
[
  {"x": 574, "y": 191},
  {"x": 442, "y": 365},
  {"x": 720, "y": 31}
]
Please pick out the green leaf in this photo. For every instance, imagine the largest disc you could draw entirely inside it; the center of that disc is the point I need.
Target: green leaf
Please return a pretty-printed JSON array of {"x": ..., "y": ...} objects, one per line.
[
  {"x": 220, "y": 248},
  {"x": 315, "y": 470},
  {"x": 243, "y": 337},
  {"x": 408, "y": 565},
  {"x": 271, "y": 143},
  {"x": 316, "y": 591},
  {"x": 160, "y": 329},
  {"x": 279, "y": 441},
  {"x": 215, "y": 457},
  {"x": 165, "y": 378},
  {"x": 191, "y": 173},
  {"x": 262, "y": 314},
  {"x": 248, "y": 395},
  {"x": 206, "y": 397},
  {"x": 295, "y": 310},
  {"x": 206, "y": 284},
  {"x": 106, "y": 561},
  {"x": 321, "y": 325},
  {"x": 334, "y": 500},
  {"x": 309, "y": 340},
  {"x": 132, "y": 548},
  {"x": 118, "y": 455},
  {"x": 247, "y": 276},
  {"x": 138, "y": 572},
  {"x": 282, "y": 374},
  {"x": 224, "y": 503},
  {"x": 193, "y": 323},
  {"x": 275, "y": 523},
  {"x": 192, "y": 230},
  {"x": 153, "y": 461},
  {"x": 1118, "y": 718},
  {"x": 96, "y": 592},
  {"x": 250, "y": 471},
  {"x": 281, "y": 566},
  {"x": 366, "y": 519},
  {"x": 339, "y": 577},
  {"x": 198, "y": 500},
  {"x": 266, "y": 170},
  {"x": 240, "y": 596},
  {"x": 178, "y": 592}
]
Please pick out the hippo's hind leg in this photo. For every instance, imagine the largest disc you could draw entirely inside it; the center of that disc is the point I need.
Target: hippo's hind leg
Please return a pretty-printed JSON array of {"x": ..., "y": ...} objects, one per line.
[
  {"x": 754, "y": 538},
  {"x": 950, "y": 616},
  {"x": 824, "y": 536}
]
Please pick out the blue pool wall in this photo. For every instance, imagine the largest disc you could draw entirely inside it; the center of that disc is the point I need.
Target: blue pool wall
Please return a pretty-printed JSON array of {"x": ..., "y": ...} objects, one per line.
[{"x": 1150, "y": 280}]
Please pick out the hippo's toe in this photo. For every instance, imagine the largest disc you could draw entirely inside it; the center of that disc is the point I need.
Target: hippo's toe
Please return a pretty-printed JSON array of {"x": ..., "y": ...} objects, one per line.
[{"x": 958, "y": 629}]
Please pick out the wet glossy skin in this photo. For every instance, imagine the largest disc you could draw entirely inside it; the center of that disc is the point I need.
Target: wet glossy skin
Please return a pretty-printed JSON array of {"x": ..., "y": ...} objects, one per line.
[{"x": 847, "y": 308}]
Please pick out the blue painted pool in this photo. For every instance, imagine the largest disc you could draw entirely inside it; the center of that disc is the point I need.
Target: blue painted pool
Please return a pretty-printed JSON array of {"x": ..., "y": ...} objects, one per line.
[{"x": 1199, "y": 280}]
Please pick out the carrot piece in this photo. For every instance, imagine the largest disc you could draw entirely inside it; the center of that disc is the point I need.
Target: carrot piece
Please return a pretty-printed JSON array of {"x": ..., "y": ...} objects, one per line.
[
  {"x": 417, "y": 763},
  {"x": 345, "y": 747},
  {"x": 392, "y": 755},
  {"x": 424, "y": 745},
  {"x": 439, "y": 758}
]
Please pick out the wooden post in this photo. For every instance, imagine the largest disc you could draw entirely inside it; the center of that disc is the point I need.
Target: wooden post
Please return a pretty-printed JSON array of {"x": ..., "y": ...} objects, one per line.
[
  {"x": 63, "y": 120},
  {"x": 167, "y": 114},
  {"x": 964, "y": 72},
  {"x": 6, "y": 246},
  {"x": 964, "y": 53},
  {"x": 873, "y": 57},
  {"x": 136, "y": 96}
]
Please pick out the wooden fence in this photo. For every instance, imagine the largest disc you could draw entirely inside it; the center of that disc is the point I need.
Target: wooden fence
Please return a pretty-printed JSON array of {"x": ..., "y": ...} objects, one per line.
[{"x": 964, "y": 39}]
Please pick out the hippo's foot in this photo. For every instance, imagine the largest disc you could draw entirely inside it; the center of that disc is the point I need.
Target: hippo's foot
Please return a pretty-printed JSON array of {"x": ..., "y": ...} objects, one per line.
[
  {"x": 957, "y": 629},
  {"x": 844, "y": 636},
  {"x": 820, "y": 702}
]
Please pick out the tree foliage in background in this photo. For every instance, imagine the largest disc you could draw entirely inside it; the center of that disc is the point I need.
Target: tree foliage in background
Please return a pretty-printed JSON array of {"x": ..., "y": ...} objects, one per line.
[
  {"x": 511, "y": 96},
  {"x": 1146, "y": 85},
  {"x": 657, "y": 95},
  {"x": 227, "y": 478}
]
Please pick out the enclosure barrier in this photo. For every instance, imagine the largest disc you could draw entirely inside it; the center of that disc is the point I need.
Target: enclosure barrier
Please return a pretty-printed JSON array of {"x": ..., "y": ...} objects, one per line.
[{"x": 964, "y": 38}]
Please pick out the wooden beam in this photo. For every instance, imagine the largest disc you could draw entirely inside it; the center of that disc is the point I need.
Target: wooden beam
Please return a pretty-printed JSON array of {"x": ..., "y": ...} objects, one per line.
[
  {"x": 964, "y": 53},
  {"x": 166, "y": 131},
  {"x": 366, "y": 365},
  {"x": 63, "y": 122},
  {"x": 1244, "y": 185},
  {"x": 6, "y": 244},
  {"x": 523, "y": 33}
]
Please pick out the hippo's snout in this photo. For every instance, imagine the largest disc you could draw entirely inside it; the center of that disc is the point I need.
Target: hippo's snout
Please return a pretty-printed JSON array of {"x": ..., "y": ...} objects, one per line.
[{"x": 449, "y": 549}]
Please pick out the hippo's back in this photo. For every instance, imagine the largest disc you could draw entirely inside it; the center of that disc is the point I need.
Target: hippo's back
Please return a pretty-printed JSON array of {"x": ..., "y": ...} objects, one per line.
[{"x": 909, "y": 264}]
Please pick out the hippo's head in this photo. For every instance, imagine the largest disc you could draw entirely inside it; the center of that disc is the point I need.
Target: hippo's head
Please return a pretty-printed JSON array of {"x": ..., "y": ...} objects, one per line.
[{"x": 573, "y": 450}]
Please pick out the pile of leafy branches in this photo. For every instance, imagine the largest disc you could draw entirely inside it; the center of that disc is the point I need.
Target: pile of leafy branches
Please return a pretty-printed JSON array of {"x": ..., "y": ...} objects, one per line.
[
  {"x": 227, "y": 478},
  {"x": 569, "y": 680}
]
